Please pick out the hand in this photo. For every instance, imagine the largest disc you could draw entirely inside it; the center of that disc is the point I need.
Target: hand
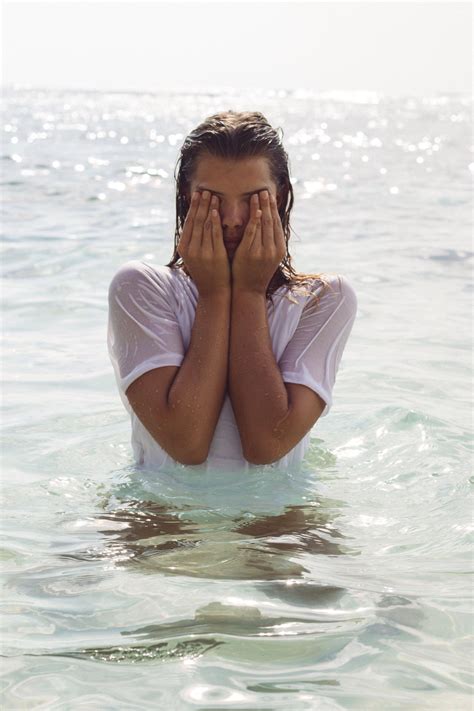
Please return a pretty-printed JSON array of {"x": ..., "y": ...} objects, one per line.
[
  {"x": 262, "y": 247},
  {"x": 201, "y": 246}
]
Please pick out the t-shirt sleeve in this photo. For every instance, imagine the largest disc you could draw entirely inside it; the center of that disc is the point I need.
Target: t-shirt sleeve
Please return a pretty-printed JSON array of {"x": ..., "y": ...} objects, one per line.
[
  {"x": 143, "y": 331},
  {"x": 314, "y": 352}
]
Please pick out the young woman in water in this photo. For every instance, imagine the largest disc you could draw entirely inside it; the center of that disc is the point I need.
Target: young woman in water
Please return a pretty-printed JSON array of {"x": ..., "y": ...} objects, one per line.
[{"x": 226, "y": 357}]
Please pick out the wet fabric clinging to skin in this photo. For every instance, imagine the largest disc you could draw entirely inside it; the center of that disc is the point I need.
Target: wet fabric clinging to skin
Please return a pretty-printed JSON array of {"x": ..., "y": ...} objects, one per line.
[{"x": 151, "y": 315}]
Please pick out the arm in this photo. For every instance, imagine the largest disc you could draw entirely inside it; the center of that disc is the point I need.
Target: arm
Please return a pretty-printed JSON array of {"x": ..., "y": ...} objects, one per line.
[
  {"x": 272, "y": 416},
  {"x": 180, "y": 407}
]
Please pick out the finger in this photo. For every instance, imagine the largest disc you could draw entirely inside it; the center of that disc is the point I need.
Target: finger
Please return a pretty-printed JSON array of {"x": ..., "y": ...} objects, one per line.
[
  {"x": 217, "y": 236},
  {"x": 201, "y": 216},
  {"x": 257, "y": 240},
  {"x": 193, "y": 206},
  {"x": 249, "y": 233},
  {"x": 279, "y": 235},
  {"x": 267, "y": 220},
  {"x": 189, "y": 221},
  {"x": 207, "y": 232}
]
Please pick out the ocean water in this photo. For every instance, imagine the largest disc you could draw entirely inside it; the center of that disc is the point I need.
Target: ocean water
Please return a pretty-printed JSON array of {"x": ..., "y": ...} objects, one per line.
[{"x": 343, "y": 586}]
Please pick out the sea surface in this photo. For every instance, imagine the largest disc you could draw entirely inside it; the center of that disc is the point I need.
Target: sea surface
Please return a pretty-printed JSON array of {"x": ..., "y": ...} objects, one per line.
[{"x": 345, "y": 585}]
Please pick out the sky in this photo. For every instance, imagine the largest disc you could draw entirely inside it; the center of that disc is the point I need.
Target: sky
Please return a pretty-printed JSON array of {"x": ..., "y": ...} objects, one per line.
[{"x": 401, "y": 47}]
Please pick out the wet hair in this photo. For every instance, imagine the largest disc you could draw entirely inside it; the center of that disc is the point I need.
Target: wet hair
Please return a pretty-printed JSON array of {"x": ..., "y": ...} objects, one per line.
[{"x": 236, "y": 135}]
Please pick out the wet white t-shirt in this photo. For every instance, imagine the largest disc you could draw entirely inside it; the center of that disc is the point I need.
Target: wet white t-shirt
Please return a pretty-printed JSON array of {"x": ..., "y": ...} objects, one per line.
[{"x": 151, "y": 315}]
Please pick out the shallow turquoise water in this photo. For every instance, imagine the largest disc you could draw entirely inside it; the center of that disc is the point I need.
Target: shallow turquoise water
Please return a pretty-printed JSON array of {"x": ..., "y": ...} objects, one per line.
[{"x": 342, "y": 586}]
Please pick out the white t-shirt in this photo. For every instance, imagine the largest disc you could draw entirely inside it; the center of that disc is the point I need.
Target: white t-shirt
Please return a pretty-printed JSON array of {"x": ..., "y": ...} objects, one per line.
[{"x": 151, "y": 315}]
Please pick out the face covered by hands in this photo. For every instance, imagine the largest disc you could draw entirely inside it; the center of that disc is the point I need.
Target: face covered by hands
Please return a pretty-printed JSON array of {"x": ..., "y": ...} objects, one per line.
[
  {"x": 247, "y": 217},
  {"x": 262, "y": 248}
]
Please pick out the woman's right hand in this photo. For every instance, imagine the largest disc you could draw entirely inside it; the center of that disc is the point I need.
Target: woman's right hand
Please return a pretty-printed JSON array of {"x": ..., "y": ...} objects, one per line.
[{"x": 201, "y": 246}]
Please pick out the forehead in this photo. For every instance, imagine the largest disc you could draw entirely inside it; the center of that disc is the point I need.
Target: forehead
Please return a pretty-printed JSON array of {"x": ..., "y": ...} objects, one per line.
[{"x": 224, "y": 170}]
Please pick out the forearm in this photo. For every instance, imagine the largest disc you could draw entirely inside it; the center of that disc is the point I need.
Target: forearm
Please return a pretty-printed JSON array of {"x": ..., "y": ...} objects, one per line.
[
  {"x": 197, "y": 393},
  {"x": 256, "y": 389}
]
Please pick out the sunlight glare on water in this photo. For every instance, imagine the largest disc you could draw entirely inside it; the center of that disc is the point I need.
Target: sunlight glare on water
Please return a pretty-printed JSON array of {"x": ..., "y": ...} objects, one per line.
[{"x": 341, "y": 586}]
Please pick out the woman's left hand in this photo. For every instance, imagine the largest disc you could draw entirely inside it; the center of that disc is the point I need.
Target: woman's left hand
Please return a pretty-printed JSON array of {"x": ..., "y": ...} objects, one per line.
[{"x": 262, "y": 249}]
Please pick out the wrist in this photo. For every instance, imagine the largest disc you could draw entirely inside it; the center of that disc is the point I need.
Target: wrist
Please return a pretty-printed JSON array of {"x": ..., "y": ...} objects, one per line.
[
  {"x": 240, "y": 290},
  {"x": 221, "y": 294}
]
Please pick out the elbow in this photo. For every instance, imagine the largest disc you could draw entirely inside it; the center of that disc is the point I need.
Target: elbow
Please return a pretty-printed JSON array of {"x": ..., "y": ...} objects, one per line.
[
  {"x": 190, "y": 461},
  {"x": 182, "y": 448},
  {"x": 182, "y": 453},
  {"x": 257, "y": 460},
  {"x": 266, "y": 452},
  {"x": 261, "y": 457},
  {"x": 189, "y": 458}
]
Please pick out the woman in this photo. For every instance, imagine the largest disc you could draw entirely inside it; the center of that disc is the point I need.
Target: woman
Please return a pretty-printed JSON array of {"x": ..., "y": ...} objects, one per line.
[{"x": 225, "y": 357}]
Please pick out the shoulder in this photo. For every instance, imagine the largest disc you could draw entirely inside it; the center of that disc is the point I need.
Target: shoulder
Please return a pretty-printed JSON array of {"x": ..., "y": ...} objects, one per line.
[
  {"x": 334, "y": 292},
  {"x": 135, "y": 268},
  {"x": 136, "y": 273},
  {"x": 342, "y": 287}
]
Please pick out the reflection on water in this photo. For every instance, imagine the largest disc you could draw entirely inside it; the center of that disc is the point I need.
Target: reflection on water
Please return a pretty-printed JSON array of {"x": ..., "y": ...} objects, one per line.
[
  {"x": 152, "y": 537},
  {"x": 160, "y": 652},
  {"x": 344, "y": 588}
]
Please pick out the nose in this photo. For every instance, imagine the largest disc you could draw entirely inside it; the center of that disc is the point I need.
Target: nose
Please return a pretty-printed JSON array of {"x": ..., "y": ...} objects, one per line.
[{"x": 234, "y": 215}]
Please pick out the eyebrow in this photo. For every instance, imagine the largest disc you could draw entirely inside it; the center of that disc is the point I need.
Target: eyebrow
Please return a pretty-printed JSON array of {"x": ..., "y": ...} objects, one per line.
[{"x": 257, "y": 190}]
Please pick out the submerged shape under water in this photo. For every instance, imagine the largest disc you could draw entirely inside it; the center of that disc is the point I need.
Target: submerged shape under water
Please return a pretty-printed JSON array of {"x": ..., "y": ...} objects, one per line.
[{"x": 343, "y": 585}]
